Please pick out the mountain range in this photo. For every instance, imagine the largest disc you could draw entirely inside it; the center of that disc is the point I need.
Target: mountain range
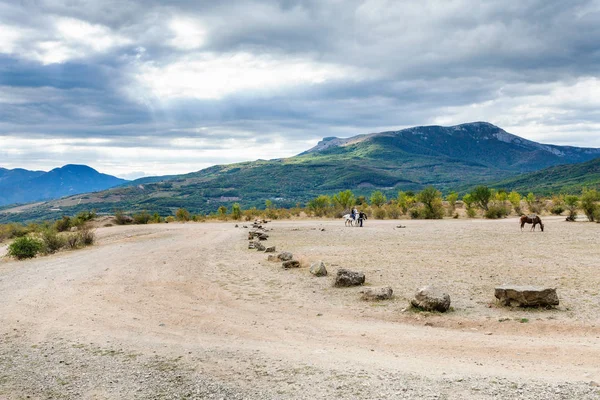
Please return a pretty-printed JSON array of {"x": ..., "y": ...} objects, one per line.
[
  {"x": 449, "y": 158},
  {"x": 23, "y": 186}
]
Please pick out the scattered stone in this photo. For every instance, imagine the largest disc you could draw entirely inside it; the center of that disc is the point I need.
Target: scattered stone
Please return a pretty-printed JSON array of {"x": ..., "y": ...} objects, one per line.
[
  {"x": 258, "y": 246},
  {"x": 272, "y": 257},
  {"x": 322, "y": 229},
  {"x": 291, "y": 264},
  {"x": 263, "y": 236},
  {"x": 345, "y": 278},
  {"x": 378, "y": 293},
  {"x": 400, "y": 226},
  {"x": 285, "y": 256},
  {"x": 245, "y": 226},
  {"x": 526, "y": 296},
  {"x": 318, "y": 268},
  {"x": 270, "y": 249},
  {"x": 251, "y": 245},
  {"x": 430, "y": 298},
  {"x": 236, "y": 225}
]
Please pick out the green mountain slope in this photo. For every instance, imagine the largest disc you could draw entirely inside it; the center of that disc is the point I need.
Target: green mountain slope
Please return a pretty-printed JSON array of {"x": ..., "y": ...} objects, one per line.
[
  {"x": 558, "y": 179},
  {"x": 410, "y": 159}
]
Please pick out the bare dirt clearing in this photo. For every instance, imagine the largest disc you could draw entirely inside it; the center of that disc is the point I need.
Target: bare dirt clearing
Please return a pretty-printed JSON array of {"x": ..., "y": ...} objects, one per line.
[{"x": 176, "y": 310}]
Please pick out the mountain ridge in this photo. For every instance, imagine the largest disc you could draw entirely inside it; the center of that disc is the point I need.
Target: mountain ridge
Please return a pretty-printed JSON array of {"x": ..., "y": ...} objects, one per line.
[
  {"x": 24, "y": 186},
  {"x": 448, "y": 158}
]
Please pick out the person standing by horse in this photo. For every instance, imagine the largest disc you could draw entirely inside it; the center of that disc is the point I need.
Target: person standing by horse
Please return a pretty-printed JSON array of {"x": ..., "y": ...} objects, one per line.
[
  {"x": 361, "y": 216},
  {"x": 354, "y": 213}
]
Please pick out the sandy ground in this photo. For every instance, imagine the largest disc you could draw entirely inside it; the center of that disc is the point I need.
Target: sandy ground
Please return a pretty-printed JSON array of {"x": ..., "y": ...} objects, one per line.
[{"x": 187, "y": 311}]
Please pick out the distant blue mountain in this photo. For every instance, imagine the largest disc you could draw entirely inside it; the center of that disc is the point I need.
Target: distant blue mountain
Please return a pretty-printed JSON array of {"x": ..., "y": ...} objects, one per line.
[{"x": 23, "y": 186}]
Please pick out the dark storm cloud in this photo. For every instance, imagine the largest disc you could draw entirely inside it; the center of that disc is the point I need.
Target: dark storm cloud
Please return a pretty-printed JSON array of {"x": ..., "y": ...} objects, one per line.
[{"x": 531, "y": 66}]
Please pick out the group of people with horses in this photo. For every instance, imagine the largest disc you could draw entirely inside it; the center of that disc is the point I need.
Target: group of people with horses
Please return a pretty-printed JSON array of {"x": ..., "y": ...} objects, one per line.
[{"x": 355, "y": 218}]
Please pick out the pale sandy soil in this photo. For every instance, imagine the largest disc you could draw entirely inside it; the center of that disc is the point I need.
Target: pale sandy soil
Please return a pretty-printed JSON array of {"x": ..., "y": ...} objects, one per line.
[{"x": 187, "y": 311}]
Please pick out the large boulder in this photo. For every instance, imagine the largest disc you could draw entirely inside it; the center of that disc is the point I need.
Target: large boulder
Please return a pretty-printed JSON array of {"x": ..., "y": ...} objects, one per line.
[
  {"x": 378, "y": 293},
  {"x": 270, "y": 249},
  {"x": 291, "y": 264},
  {"x": 318, "y": 268},
  {"x": 345, "y": 278},
  {"x": 526, "y": 296},
  {"x": 430, "y": 298},
  {"x": 285, "y": 256},
  {"x": 258, "y": 246}
]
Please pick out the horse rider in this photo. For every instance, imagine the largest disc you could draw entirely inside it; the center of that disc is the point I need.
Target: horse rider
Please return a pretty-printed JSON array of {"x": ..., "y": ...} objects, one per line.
[
  {"x": 354, "y": 213},
  {"x": 361, "y": 216}
]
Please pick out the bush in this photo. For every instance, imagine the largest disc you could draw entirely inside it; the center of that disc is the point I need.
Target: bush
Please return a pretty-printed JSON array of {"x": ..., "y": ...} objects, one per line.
[
  {"x": 141, "y": 218},
  {"x": 393, "y": 211},
  {"x": 25, "y": 247},
  {"x": 63, "y": 224},
  {"x": 72, "y": 241},
  {"x": 182, "y": 215},
  {"x": 86, "y": 236},
  {"x": 557, "y": 209},
  {"x": 121, "y": 218},
  {"x": 379, "y": 213},
  {"x": 588, "y": 203},
  {"x": 52, "y": 241},
  {"x": 496, "y": 210},
  {"x": 471, "y": 212}
]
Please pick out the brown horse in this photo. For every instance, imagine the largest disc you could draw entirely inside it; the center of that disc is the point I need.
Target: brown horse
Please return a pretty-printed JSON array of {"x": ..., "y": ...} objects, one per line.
[{"x": 531, "y": 220}]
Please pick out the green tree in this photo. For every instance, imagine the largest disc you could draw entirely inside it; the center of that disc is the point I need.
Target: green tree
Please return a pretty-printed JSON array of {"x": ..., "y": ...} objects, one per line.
[
  {"x": 515, "y": 201},
  {"x": 481, "y": 196},
  {"x": 405, "y": 200},
  {"x": 378, "y": 198},
  {"x": 589, "y": 197},
  {"x": 236, "y": 211},
  {"x": 572, "y": 204},
  {"x": 222, "y": 210},
  {"x": 432, "y": 201},
  {"x": 182, "y": 215},
  {"x": 319, "y": 205},
  {"x": 344, "y": 199},
  {"x": 451, "y": 198},
  {"x": 469, "y": 201}
]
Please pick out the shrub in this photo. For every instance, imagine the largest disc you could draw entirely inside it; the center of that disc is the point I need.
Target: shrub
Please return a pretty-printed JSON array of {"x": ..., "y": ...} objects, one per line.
[
  {"x": 52, "y": 241},
  {"x": 452, "y": 198},
  {"x": 141, "y": 218},
  {"x": 515, "y": 201},
  {"x": 63, "y": 224},
  {"x": 379, "y": 213},
  {"x": 471, "y": 212},
  {"x": 121, "y": 218},
  {"x": 170, "y": 218},
  {"x": 496, "y": 210},
  {"x": 432, "y": 203},
  {"x": 25, "y": 247},
  {"x": 378, "y": 198},
  {"x": 393, "y": 211},
  {"x": 557, "y": 209},
  {"x": 182, "y": 215},
  {"x": 481, "y": 195},
  {"x": 588, "y": 203},
  {"x": 572, "y": 203},
  {"x": 236, "y": 211},
  {"x": 72, "y": 241},
  {"x": 86, "y": 236}
]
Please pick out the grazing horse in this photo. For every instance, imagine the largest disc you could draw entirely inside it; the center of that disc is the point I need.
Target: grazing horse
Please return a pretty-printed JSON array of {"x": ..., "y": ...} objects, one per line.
[{"x": 534, "y": 219}]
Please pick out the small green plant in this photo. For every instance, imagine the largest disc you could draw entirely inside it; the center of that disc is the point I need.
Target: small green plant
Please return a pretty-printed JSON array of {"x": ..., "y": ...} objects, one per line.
[
  {"x": 524, "y": 320},
  {"x": 25, "y": 247},
  {"x": 51, "y": 240},
  {"x": 86, "y": 236},
  {"x": 141, "y": 218},
  {"x": 63, "y": 224}
]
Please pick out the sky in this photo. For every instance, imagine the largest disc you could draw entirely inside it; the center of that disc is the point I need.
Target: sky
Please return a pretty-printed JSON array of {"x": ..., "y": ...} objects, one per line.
[{"x": 149, "y": 87}]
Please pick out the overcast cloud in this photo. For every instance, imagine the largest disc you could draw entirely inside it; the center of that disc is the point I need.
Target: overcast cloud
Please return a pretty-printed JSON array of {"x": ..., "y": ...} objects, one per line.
[{"x": 136, "y": 88}]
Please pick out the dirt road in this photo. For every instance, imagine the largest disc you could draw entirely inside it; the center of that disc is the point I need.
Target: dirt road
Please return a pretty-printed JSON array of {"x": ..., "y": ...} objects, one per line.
[{"x": 187, "y": 311}]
